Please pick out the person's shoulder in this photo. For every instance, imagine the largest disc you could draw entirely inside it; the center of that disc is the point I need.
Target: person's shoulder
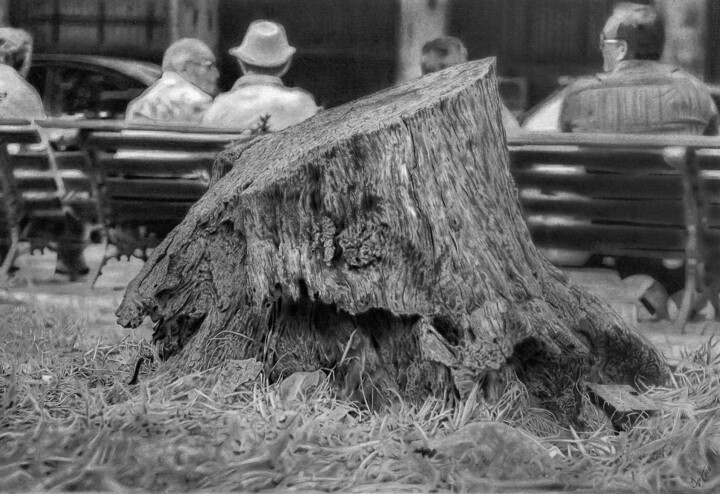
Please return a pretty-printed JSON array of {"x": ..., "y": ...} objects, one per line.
[
  {"x": 685, "y": 76},
  {"x": 14, "y": 81},
  {"x": 10, "y": 75},
  {"x": 300, "y": 96},
  {"x": 226, "y": 98},
  {"x": 583, "y": 83},
  {"x": 187, "y": 90}
]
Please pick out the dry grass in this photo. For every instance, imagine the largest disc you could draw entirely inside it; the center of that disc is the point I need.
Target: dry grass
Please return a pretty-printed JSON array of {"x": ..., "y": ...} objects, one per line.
[{"x": 68, "y": 421}]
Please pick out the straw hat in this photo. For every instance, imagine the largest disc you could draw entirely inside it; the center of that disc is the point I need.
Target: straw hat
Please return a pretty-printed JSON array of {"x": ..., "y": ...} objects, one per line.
[{"x": 265, "y": 45}]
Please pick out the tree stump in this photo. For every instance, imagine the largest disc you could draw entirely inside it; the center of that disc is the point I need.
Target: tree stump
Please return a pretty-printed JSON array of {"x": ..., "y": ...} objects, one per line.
[{"x": 382, "y": 241}]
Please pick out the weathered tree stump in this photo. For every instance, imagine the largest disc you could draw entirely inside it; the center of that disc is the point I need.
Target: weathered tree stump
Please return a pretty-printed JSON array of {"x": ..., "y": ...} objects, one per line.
[{"x": 382, "y": 241}]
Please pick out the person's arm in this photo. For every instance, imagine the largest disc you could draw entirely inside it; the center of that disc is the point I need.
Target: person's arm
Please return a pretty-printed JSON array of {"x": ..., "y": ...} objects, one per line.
[
  {"x": 508, "y": 119},
  {"x": 714, "y": 121},
  {"x": 712, "y": 127},
  {"x": 27, "y": 52}
]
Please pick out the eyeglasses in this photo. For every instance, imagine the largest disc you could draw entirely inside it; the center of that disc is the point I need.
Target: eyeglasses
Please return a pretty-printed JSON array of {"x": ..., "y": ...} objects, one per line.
[{"x": 609, "y": 41}]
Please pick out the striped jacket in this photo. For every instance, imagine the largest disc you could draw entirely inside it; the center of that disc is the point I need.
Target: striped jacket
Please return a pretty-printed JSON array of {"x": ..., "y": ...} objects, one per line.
[{"x": 641, "y": 96}]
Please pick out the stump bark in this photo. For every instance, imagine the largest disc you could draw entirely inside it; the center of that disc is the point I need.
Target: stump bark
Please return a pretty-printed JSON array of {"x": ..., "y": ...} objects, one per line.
[{"x": 382, "y": 241}]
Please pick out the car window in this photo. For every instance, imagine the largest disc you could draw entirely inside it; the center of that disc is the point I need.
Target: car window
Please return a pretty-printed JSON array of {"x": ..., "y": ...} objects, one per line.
[
  {"x": 90, "y": 92},
  {"x": 37, "y": 77},
  {"x": 545, "y": 117}
]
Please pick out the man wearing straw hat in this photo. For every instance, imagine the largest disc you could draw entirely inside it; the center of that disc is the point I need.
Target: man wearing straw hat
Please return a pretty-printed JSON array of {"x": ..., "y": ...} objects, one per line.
[
  {"x": 259, "y": 101},
  {"x": 18, "y": 99},
  {"x": 185, "y": 90}
]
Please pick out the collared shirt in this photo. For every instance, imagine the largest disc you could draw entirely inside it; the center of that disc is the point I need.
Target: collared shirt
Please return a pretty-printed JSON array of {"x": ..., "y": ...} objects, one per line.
[
  {"x": 640, "y": 96},
  {"x": 171, "y": 99},
  {"x": 18, "y": 99},
  {"x": 260, "y": 102}
]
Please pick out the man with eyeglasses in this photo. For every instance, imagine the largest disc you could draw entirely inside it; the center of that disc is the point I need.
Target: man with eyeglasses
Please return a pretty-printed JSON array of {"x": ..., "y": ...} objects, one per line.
[
  {"x": 185, "y": 90},
  {"x": 636, "y": 93},
  {"x": 18, "y": 99}
]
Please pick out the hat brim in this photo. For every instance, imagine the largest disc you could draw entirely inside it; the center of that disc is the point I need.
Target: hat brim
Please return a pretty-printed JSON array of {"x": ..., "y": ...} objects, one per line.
[{"x": 262, "y": 60}]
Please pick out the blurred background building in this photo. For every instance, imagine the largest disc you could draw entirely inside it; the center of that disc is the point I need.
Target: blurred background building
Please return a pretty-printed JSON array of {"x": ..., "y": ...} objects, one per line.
[{"x": 349, "y": 48}]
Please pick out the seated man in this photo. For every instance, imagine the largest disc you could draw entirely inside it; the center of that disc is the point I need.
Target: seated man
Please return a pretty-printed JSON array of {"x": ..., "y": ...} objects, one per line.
[
  {"x": 18, "y": 99},
  {"x": 259, "y": 101},
  {"x": 441, "y": 53},
  {"x": 185, "y": 90},
  {"x": 636, "y": 93}
]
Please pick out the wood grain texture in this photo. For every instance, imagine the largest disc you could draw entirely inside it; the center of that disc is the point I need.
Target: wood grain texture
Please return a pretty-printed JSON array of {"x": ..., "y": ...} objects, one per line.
[{"x": 383, "y": 241}]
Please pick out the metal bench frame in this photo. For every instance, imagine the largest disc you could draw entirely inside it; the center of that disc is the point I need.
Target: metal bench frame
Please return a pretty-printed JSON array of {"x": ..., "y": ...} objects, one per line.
[
  {"x": 625, "y": 179},
  {"x": 28, "y": 194},
  {"x": 128, "y": 165}
]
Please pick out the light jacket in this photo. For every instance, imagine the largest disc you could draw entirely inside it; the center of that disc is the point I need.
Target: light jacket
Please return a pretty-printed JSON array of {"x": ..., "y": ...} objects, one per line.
[
  {"x": 18, "y": 99},
  {"x": 260, "y": 102},
  {"x": 171, "y": 99},
  {"x": 640, "y": 96}
]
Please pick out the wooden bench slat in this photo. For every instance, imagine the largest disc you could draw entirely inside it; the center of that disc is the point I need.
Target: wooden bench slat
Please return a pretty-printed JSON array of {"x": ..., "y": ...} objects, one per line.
[
  {"x": 620, "y": 160},
  {"x": 70, "y": 160},
  {"x": 78, "y": 184},
  {"x": 156, "y": 166},
  {"x": 19, "y": 135},
  {"x": 37, "y": 183},
  {"x": 160, "y": 141},
  {"x": 603, "y": 185},
  {"x": 30, "y": 161},
  {"x": 156, "y": 189},
  {"x": 608, "y": 239},
  {"x": 611, "y": 141},
  {"x": 142, "y": 212},
  {"x": 633, "y": 211},
  {"x": 97, "y": 125}
]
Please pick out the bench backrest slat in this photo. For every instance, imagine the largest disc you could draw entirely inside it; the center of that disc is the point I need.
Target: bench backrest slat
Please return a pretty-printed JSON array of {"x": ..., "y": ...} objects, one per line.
[
  {"x": 152, "y": 178},
  {"x": 151, "y": 166},
  {"x": 640, "y": 212},
  {"x": 611, "y": 160},
  {"x": 611, "y": 194},
  {"x": 183, "y": 190},
  {"x": 160, "y": 141},
  {"x": 608, "y": 239}
]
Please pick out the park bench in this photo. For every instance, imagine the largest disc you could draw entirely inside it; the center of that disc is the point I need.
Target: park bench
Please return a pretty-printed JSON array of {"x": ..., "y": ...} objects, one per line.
[
  {"x": 626, "y": 195},
  {"x": 145, "y": 177},
  {"x": 39, "y": 191}
]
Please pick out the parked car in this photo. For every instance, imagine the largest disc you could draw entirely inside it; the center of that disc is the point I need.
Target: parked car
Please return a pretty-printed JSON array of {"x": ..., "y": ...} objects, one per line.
[
  {"x": 545, "y": 117},
  {"x": 89, "y": 86}
]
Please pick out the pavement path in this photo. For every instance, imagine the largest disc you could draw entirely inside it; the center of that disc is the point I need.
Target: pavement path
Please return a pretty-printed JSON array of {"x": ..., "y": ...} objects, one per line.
[{"x": 35, "y": 281}]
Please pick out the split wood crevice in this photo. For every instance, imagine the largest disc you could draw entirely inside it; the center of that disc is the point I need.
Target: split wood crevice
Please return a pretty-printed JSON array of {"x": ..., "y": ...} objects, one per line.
[{"x": 382, "y": 241}]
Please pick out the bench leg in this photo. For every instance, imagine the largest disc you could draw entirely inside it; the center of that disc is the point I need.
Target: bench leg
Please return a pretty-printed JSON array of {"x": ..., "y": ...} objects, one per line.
[
  {"x": 687, "y": 303},
  {"x": 95, "y": 274},
  {"x": 11, "y": 254}
]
